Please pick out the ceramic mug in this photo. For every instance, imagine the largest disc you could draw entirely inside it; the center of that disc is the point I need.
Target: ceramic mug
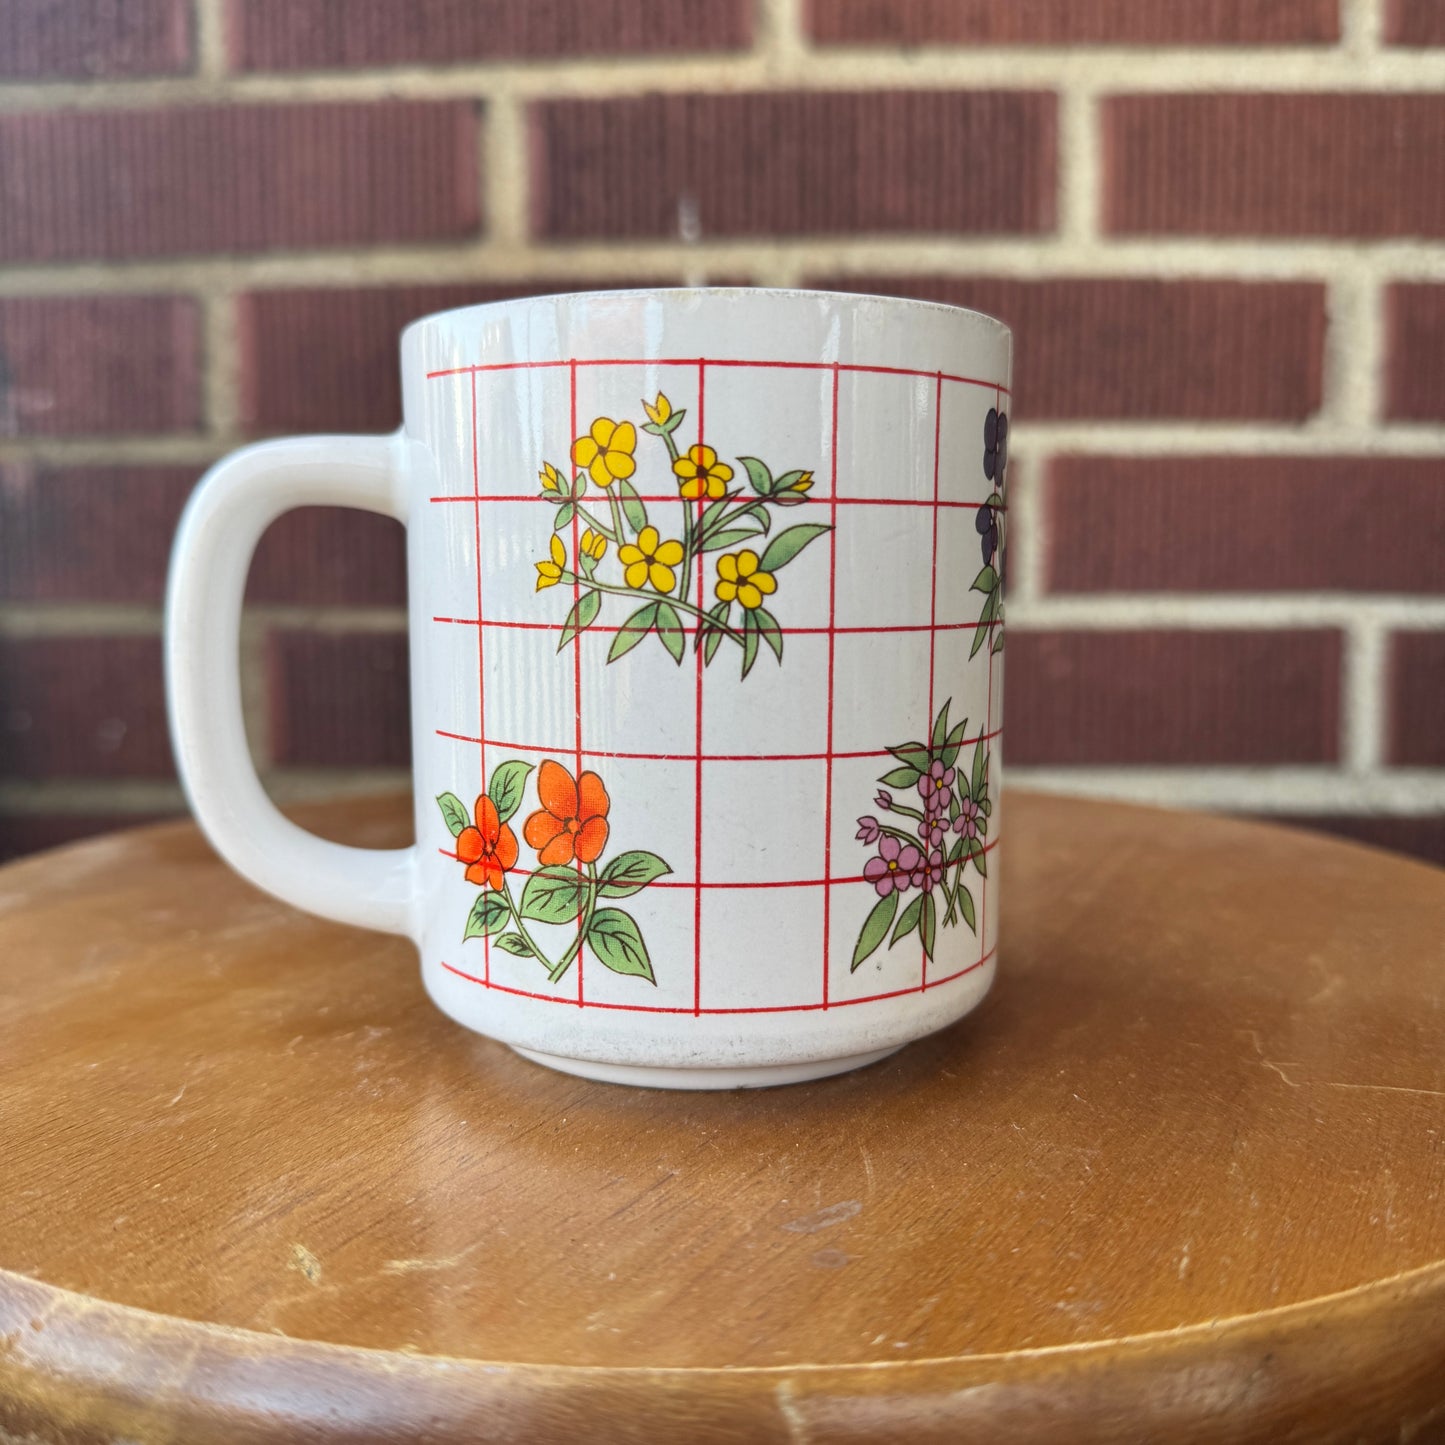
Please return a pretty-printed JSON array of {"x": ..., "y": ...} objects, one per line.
[{"x": 706, "y": 674}]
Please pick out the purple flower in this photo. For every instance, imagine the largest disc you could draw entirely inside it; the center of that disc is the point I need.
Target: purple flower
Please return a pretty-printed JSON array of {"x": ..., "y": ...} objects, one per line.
[
  {"x": 936, "y": 780},
  {"x": 967, "y": 820},
  {"x": 930, "y": 874},
  {"x": 884, "y": 799},
  {"x": 868, "y": 831},
  {"x": 893, "y": 869},
  {"x": 933, "y": 831}
]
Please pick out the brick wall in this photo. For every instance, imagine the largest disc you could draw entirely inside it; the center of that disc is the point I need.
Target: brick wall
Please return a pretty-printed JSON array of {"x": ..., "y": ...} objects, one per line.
[{"x": 1216, "y": 225}]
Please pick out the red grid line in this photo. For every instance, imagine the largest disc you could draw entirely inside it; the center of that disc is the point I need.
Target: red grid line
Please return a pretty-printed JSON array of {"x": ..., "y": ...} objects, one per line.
[
  {"x": 697, "y": 789},
  {"x": 745, "y": 884},
  {"x": 933, "y": 620},
  {"x": 576, "y": 655},
  {"x": 663, "y": 497},
  {"x": 832, "y": 648},
  {"x": 786, "y": 1008},
  {"x": 517, "y": 625},
  {"x": 714, "y": 361},
  {"x": 694, "y": 757},
  {"x": 481, "y": 633}
]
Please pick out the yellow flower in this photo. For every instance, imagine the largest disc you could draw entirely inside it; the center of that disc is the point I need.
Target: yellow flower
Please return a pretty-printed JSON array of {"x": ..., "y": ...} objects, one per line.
[
  {"x": 738, "y": 578},
  {"x": 651, "y": 560},
  {"x": 593, "y": 545},
  {"x": 803, "y": 484},
  {"x": 550, "y": 477},
  {"x": 702, "y": 474},
  {"x": 549, "y": 574},
  {"x": 660, "y": 412},
  {"x": 606, "y": 450}
]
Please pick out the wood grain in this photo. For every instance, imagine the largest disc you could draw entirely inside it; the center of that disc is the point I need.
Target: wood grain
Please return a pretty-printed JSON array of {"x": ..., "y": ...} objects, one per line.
[{"x": 1179, "y": 1177}]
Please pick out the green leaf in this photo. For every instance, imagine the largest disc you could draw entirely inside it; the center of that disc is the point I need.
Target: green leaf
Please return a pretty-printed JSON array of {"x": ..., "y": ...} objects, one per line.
[
  {"x": 627, "y": 873},
  {"x": 580, "y": 618},
  {"x": 579, "y": 484},
  {"x": 730, "y": 537},
  {"x": 977, "y": 856},
  {"x": 564, "y": 516},
  {"x": 906, "y": 777},
  {"x": 914, "y": 754},
  {"x": 875, "y": 929},
  {"x": 998, "y": 640},
  {"x": 714, "y": 636},
  {"x": 909, "y": 921},
  {"x": 669, "y": 629},
  {"x": 509, "y": 782},
  {"x": 454, "y": 811},
  {"x": 712, "y": 514},
  {"x": 759, "y": 476},
  {"x": 980, "y": 771},
  {"x": 940, "y": 727},
  {"x": 489, "y": 915},
  {"x": 554, "y": 895},
  {"x": 633, "y": 631},
  {"x": 759, "y": 512},
  {"x": 632, "y": 507},
  {"x": 515, "y": 943},
  {"x": 985, "y": 617},
  {"x": 965, "y": 903},
  {"x": 928, "y": 924},
  {"x": 986, "y": 581},
  {"x": 953, "y": 743},
  {"x": 985, "y": 807},
  {"x": 789, "y": 499},
  {"x": 789, "y": 480},
  {"x": 617, "y": 942},
  {"x": 786, "y": 545},
  {"x": 769, "y": 630},
  {"x": 750, "y": 642}
]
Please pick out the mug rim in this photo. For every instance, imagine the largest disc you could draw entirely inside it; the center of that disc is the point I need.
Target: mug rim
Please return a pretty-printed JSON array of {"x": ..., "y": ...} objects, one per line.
[{"x": 860, "y": 298}]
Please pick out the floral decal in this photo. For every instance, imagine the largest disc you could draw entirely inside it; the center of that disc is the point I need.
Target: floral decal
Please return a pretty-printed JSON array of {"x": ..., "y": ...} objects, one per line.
[
  {"x": 928, "y": 849},
  {"x": 569, "y": 832},
  {"x": 990, "y": 521},
  {"x": 655, "y": 562}
]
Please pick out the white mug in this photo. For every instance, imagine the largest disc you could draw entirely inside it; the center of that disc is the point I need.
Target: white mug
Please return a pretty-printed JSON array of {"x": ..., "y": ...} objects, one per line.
[{"x": 706, "y": 675}]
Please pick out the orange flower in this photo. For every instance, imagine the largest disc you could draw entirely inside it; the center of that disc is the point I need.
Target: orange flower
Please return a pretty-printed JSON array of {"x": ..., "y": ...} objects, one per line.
[
  {"x": 488, "y": 849},
  {"x": 572, "y": 821}
]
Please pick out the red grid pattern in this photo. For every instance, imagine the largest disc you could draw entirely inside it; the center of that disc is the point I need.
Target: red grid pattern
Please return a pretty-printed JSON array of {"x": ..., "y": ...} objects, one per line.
[{"x": 699, "y": 756}]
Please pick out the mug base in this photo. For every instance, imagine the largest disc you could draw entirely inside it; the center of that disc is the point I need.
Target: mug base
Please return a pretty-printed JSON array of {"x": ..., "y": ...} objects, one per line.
[{"x": 753, "y": 1076}]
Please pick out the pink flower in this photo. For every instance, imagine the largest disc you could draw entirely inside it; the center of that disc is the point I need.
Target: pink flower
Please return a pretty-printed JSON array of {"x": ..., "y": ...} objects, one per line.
[
  {"x": 884, "y": 799},
  {"x": 967, "y": 820},
  {"x": 868, "y": 831},
  {"x": 893, "y": 869}
]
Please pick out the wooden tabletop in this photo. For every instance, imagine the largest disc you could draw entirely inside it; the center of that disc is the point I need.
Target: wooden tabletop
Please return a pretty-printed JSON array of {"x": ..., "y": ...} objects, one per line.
[{"x": 1179, "y": 1177}]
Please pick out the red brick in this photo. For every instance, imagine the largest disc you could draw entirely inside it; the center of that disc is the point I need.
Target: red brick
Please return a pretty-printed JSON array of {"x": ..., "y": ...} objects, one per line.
[
  {"x": 331, "y": 556},
  {"x": 1274, "y": 165},
  {"x": 1090, "y": 347},
  {"x": 1422, "y": 837},
  {"x": 1072, "y": 22},
  {"x": 107, "y": 365},
  {"x": 43, "y": 39},
  {"x": 82, "y": 707},
  {"x": 1415, "y": 22},
  {"x": 329, "y": 360},
  {"x": 22, "y": 833},
  {"x": 1246, "y": 524},
  {"x": 1238, "y": 697},
  {"x": 819, "y": 162},
  {"x": 1416, "y": 683},
  {"x": 235, "y": 178},
  {"x": 94, "y": 534},
  {"x": 339, "y": 700},
  {"x": 1415, "y": 352},
  {"x": 346, "y": 34}
]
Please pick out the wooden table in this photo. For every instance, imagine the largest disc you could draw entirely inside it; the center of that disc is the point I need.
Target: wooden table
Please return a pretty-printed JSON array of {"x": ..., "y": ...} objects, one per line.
[{"x": 1180, "y": 1178}]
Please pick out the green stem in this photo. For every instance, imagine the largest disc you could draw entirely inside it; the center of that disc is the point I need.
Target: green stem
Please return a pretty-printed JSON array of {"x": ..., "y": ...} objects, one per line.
[
  {"x": 906, "y": 812},
  {"x": 616, "y": 516},
  {"x": 575, "y": 947},
  {"x": 673, "y": 601},
  {"x": 522, "y": 932},
  {"x": 899, "y": 834}
]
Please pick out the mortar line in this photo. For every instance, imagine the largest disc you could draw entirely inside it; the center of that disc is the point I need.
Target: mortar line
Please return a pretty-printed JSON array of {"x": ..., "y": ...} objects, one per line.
[{"x": 1363, "y": 699}]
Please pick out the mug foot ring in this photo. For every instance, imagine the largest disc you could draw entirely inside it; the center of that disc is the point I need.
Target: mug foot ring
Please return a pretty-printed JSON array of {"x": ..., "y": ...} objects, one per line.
[{"x": 752, "y": 1076}]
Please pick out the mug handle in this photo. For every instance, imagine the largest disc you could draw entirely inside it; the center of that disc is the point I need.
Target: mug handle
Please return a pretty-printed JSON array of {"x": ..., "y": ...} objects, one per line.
[{"x": 233, "y": 504}]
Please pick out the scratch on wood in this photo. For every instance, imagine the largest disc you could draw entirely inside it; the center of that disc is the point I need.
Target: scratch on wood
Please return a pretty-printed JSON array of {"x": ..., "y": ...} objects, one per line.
[
  {"x": 303, "y": 1260},
  {"x": 798, "y": 1432},
  {"x": 823, "y": 1218}
]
